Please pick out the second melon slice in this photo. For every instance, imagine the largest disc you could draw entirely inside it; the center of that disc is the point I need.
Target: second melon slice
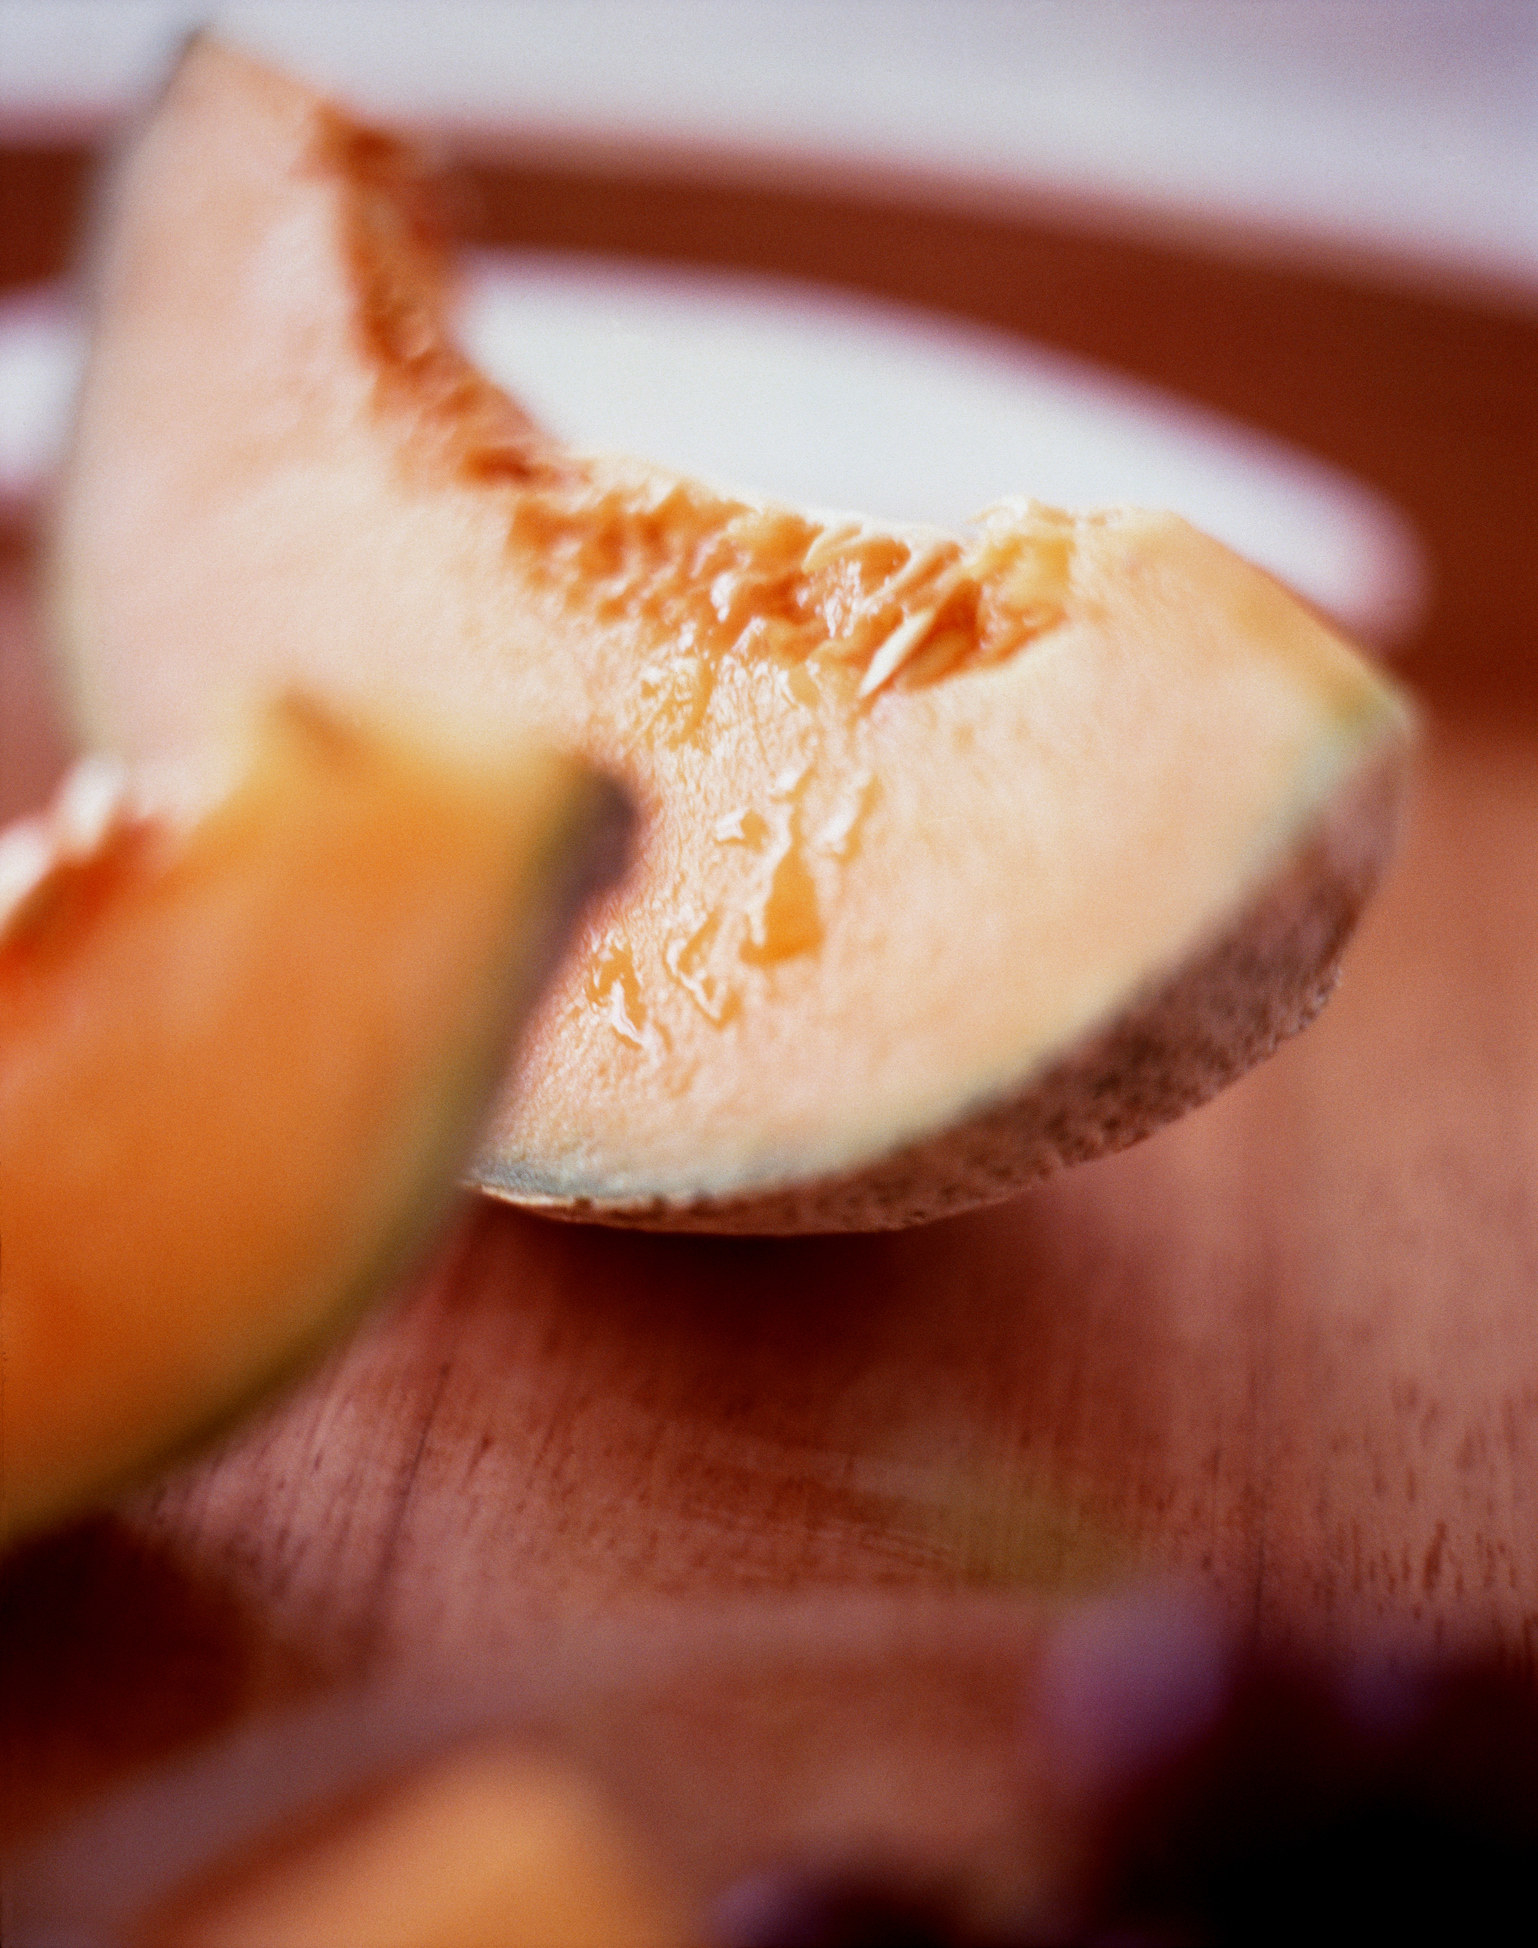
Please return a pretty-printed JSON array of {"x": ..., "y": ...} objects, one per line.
[
  {"x": 246, "y": 1037},
  {"x": 962, "y": 856}
]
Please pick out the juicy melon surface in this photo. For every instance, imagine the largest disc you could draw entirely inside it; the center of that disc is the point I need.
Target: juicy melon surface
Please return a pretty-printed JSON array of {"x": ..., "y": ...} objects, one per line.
[
  {"x": 241, "y": 1060},
  {"x": 963, "y": 855}
]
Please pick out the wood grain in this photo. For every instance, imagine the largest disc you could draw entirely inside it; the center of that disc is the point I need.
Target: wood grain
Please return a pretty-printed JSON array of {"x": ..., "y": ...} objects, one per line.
[
  {"x": 1290, "y": 1347},
  {"x": 766, "y": 1532}
]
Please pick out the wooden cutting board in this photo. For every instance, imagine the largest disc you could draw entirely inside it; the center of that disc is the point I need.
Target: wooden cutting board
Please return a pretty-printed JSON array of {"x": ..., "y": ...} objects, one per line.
[{"x": 765, "y": 1532}]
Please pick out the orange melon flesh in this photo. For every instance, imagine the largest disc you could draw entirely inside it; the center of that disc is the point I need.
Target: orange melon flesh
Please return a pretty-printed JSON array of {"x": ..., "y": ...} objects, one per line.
[
  {"x": 242, "y": 1056},
  {"x": 964, "y": 855},
  {"x": 489, "y": 1849}
]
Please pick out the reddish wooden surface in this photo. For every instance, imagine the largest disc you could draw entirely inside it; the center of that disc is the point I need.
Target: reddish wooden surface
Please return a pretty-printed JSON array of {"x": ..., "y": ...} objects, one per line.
[{"x": 762, "y": 1531}]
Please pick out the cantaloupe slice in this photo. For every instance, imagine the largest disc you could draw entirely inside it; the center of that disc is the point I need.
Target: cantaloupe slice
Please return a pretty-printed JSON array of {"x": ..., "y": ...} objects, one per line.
[
  {"x": 963, "y": 855},
  {"x": 243, "y": 1052}
]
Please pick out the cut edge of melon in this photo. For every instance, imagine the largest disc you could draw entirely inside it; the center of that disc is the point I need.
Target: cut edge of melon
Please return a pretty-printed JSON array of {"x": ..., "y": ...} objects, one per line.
[{"x": 1228, "y": 1003}]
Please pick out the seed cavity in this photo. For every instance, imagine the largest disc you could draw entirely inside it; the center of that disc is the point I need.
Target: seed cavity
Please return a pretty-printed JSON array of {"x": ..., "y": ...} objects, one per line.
[
  {"x": 896, "y": 650},
  {"x": 763, "y": 584}
]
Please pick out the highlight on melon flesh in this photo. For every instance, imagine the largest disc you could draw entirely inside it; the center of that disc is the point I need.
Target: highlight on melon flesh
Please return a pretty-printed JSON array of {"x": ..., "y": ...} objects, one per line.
[
  {"x": 245, "y": 1044},
  {"x": 963, "y": 855}
]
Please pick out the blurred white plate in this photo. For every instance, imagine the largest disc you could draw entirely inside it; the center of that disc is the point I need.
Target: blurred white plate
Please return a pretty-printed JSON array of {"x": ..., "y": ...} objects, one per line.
[
  {"x": 1400, "y": 131},
  {"x": 773, "y": 388}
]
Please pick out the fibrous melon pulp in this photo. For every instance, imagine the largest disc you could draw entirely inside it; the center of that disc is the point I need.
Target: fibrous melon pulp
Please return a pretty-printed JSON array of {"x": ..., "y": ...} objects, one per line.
[
  {"x": 962, "y": 855},
  {"x": 243, "y": 1052}
]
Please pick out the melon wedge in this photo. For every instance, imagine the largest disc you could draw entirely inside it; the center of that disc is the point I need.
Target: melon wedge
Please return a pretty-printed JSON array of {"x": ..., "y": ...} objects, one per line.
[
  {"x": 243, "y": 1052},
  {"x": 964, "y": 855}
]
